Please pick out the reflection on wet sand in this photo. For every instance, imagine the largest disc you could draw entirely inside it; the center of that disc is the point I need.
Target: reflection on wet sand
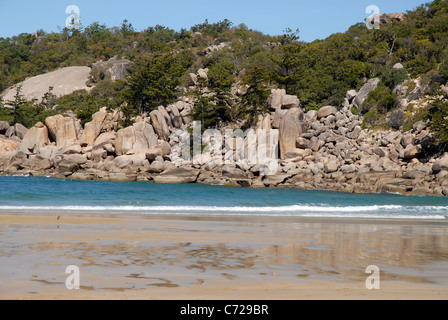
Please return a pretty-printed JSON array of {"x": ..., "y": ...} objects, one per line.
[{"x": 122, "y": 254}]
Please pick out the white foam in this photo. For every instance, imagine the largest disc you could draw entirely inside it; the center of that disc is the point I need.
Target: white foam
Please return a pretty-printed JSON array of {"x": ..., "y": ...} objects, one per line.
[{"x": 373, "y": 211}]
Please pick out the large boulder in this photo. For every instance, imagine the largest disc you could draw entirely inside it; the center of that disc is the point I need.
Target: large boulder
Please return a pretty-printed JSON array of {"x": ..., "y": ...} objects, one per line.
[
  {"x": 93, "y": 128},
  {"x": 67, "y": 166},
  {"x": 160, "y": 125},
  {"x": 35, "y": 138},
  {"x": 20, "y": 130},
  {"x": 135, "y": 139},
  {"x": 276, "y": 98},
  {"x": 177, "y": 175},
  {"x": 331, "y": 166},
  {"x": 105, "y": 138},
  {"x": 396, "y": 16},
  {"x": 161, "y": 150},
  {"x": 326, "y": 111},
  {"x": 165, "y": 115},
  {"x": 128, "y": 163},
  {"x": 289, "y": 101},
  {"x": 4, "y": 125},
  {"x": 38, "y": 163},
  {"x": 291, "y": 126},
  {"x": 176, "y": 118},
  {"x": 62, "y": 130},
  {"x": 8, "y": 145},
  {"x": 364, "y": 92},
  {"x": 185, "y": 113},
  {"x": 114, "y": 69},
  {"x": 441, "y": 164},
  {"x": 277, "y": 117},
  {"x": 351, "y": 94}
]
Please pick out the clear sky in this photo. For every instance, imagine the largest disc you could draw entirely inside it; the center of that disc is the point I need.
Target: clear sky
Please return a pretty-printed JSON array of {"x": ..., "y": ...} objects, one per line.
[{"x": 316, "y": 19}]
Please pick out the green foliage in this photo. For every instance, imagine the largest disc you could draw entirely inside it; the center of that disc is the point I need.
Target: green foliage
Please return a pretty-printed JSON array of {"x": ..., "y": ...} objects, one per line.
[
  {"x": 24, "y": 112},
  {"x": 319, "y": 72},
  {"x": 153, "y": 82},
  {"x": 382, "y": 99},
  {"x": 435, "y": 114},
  {"x": 393, "y": 77},
  {"x": 212, "y": 29},
  {"x": 431, "y": 81},
  {"x": 288, "y": 72},
  {"x": 84, "y": 113},
  {"x": 438, "y": 115},
  {"x": 211, "y": 107},
  {"x": 370, "y": 118},
  {"x": 254, "y": 101}
]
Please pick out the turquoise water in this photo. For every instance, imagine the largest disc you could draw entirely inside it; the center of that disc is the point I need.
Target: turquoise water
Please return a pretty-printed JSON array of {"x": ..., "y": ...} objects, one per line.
[{"x": 40, "y": 193}]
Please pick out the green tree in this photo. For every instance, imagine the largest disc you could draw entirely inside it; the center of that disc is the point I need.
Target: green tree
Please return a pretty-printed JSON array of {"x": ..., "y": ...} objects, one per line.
[
  {"x": 154, "y": 83},
  {"x": 48, "y": 100},
  {"x": 17, "y": 104},
  {"x": 393, "y": 77},
  {"x": 437, "y": 115},
  {"x": 382, "y": 99},
  {"x": 254, "y": 100},
  {"x": 202, "y": 104},
  {"x": 288, "y": 74}
]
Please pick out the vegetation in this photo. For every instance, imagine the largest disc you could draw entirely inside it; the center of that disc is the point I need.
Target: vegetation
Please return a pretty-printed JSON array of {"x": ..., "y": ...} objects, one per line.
[{"x": 319, "y": 73}]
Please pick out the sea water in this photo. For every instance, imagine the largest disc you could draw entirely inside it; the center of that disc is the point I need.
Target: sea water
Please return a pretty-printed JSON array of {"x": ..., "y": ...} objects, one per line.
[{"x": 39, "y": 194}]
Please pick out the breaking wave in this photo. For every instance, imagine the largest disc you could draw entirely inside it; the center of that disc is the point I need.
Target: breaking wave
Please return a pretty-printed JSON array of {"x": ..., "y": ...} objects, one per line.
[{"x": 371, "y": 211}]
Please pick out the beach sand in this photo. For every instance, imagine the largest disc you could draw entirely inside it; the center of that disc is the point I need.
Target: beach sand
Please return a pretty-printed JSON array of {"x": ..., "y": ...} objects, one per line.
[{"x": 254, "y": 258}]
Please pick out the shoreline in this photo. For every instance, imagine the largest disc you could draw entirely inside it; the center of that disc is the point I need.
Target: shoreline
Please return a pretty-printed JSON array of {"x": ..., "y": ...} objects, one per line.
[
  {"x": 104, "y": 215},
  {"x": 200, "y": 258},
  {"x": 347, "y": 188}
]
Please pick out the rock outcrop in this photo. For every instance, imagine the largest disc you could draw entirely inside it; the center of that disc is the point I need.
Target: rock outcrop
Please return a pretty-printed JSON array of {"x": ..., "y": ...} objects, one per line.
[
  {"x": 291, "y": 126},
  {"x": 364, "y": 92},
  {"x": 63, "y": 81},
  {"x": 318, "y": 149},
  {"x": 114, "y": 69},
  {"x": 63, "y": 130}
]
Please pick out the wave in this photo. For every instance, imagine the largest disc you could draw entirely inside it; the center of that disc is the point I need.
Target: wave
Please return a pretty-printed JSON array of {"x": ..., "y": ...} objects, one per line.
[{"x": 372, "y": 211}]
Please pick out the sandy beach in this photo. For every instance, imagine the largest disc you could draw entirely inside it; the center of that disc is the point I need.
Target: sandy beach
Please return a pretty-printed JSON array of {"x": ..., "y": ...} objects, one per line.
[{"x": 173, "y": 257}]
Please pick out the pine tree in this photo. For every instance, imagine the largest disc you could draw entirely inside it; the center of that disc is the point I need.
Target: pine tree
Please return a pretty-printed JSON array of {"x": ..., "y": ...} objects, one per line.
[
  {"x": 254, "y": 101},
  {"x": 287, "y": 74},
  {"x": 154, "y": 83}
]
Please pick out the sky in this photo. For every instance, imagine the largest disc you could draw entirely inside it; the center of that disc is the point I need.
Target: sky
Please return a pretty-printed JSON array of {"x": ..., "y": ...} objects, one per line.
[{"x": 316, "y": 19}]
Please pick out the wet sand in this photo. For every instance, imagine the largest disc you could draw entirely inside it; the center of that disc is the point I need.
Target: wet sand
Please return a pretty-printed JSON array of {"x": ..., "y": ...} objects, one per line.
[{"x": 170, "y": 258}]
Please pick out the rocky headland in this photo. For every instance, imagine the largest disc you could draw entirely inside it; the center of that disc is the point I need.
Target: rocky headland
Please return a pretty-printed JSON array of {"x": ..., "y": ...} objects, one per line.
[{"x": 318, "y": 149}]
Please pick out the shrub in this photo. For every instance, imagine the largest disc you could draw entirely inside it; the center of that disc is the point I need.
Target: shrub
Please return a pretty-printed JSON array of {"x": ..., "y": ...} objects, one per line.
[
  {"x": 370, "y": 118},
  {"x": 393, "y": 77},
  {"x": 381, "y": 98}
]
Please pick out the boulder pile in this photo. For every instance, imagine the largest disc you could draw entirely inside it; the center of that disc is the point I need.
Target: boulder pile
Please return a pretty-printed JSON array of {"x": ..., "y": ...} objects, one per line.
[{"x": 318, "y": 149}]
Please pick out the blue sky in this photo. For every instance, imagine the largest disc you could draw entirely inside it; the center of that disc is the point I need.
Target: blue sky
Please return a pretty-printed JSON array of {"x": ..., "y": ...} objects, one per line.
[{"x": 316, "y": 19}]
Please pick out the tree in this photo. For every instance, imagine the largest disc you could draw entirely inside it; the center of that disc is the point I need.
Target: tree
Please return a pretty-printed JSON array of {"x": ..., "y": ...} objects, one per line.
[
  {"x": 18, "y": 102},
  {"x": 254, "y": 101},
  {"x": 127, "y": 29},
  {"x": 381, "y": 99},
  {"x": 287, "y": 74},
  {"x": 201, "y": 104},
  {"x": 211, "y": 106},
  {"x": 212, "y": 29},
  {"x": 154, "y": 83},
  {"x": 394, "y": 77},
  {"x": 48, "y": 100}
]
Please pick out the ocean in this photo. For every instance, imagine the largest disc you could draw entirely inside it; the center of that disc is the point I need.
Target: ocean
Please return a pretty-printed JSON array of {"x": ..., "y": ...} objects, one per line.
[{"x": 41, "y": 194}]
